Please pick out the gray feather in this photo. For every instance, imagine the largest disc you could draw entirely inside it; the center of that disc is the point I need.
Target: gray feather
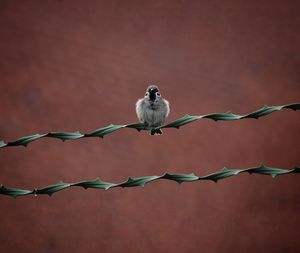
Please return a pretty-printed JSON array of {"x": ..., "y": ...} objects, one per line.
[{"x": 152, "y": 113}]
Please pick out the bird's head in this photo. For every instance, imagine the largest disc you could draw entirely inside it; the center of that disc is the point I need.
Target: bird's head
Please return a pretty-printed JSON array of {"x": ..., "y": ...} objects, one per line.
[{"x": 152, "y": 94}]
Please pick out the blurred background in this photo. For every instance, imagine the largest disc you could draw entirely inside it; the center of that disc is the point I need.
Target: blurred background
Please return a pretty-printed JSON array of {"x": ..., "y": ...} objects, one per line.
[{"x": 81, "y": 65}]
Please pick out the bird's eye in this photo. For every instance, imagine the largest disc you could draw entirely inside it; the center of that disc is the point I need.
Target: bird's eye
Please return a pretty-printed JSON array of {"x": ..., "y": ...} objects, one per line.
[
  {"x": 158, "y": 94},
  {"x": 147, "y": 93}
]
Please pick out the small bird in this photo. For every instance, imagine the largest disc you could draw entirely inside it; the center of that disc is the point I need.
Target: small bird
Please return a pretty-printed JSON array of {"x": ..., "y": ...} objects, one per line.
[{"x": 153, "y": 109}]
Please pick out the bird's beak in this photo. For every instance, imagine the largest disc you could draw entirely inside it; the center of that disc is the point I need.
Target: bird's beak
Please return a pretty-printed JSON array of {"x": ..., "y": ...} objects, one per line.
[{"x": 152, "y": 95}]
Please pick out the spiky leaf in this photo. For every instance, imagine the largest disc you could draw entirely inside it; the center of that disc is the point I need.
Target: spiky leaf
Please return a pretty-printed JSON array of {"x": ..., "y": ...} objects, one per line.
[
  {"x": 25, "y": 140},
  {"x": 222, "y": 116},
  {"x": 65, "y": 136},
  {"x": 268, "y": 171},
  {"x": 14, "y": 192},
  {"x": 186, "y": 119},
  {"x": 52, "y": 188},
  {"x": 105, "y": 130},
  {"x": 179, "y": 178},
  {"x": 139, "y": 181},
  {"x": 97, "y": 183},
  {"x": 223, "y": 173}
]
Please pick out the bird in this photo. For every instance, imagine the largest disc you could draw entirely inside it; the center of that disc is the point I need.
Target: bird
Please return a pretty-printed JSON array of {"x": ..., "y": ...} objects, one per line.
[{"x": 152, "y": 109}]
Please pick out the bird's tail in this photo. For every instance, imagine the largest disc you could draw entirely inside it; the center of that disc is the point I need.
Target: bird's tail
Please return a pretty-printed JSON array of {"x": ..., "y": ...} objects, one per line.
[{"x": 156, "y": 131}]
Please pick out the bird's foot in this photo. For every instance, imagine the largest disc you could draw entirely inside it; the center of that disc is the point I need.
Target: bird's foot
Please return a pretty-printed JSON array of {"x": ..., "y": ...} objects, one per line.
[{"x": 156, "y": 131}]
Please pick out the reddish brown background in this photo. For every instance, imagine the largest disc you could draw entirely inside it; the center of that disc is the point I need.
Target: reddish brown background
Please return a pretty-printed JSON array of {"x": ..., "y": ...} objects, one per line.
[{"x": 80, "y": 65}]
